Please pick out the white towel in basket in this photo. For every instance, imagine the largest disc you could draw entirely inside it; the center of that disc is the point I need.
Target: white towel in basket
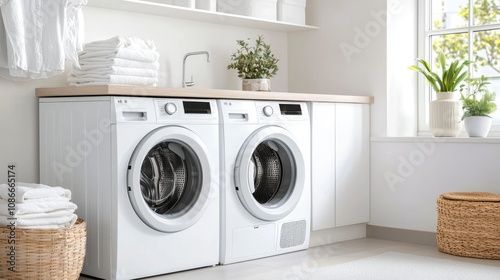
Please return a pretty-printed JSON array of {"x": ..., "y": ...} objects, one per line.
[
  {"x": 43, "y": 222},
  {"x": 34, "y": 207}
]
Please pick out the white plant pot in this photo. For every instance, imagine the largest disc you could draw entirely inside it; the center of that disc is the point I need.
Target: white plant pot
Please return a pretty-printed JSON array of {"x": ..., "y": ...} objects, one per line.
[
  {"x": 256, "y": 84},
  {"x": 477, "y": 126},
  {"x": 444, "y": 115}
]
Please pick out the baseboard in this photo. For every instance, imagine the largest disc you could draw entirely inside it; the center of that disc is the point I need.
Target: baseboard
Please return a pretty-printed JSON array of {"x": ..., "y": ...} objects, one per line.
[
  {"x": 402, "y": 235},
  {"x": 333, "y": 235}
]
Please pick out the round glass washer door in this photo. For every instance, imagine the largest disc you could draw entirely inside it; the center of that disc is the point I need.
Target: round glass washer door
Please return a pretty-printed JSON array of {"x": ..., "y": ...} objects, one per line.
[
  {"x": 269, "y": 173},
  {"x": 169, "y": 179}
]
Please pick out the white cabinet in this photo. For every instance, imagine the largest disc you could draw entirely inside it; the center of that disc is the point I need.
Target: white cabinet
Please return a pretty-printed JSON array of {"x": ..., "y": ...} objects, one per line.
[
  {"x": 340, "y": 164},
  {"x": 323, "y": 165},
  {"x": 352, "y": 164}
]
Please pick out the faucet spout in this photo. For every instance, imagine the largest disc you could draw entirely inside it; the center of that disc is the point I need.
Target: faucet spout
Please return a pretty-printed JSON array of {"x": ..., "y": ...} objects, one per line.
[{"x": 191, "y": 83}]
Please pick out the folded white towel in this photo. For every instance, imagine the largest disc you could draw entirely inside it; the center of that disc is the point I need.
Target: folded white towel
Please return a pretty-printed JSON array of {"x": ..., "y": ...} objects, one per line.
[
  {"x": 60, "y": 213},
  {"x": 138, "y": 55},
  {"x": 114, "y": 79},
  {"x": 106, "y": 84},
  {"x": 26, "y": 191},
  {"x": 115, "y": 70},
  {"x": 98, "y": 62},
  {"x": 35, "y": 207},
  {"x": 122, "y": 42},
  {"x": 50, "y": 198},
  {"x": 46, "y": 222}
]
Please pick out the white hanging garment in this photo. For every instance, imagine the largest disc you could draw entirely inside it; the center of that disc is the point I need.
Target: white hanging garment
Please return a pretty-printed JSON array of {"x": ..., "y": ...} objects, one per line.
[
  {"x": 37, "y": 36},
  {"x": 74, "y": 34}
]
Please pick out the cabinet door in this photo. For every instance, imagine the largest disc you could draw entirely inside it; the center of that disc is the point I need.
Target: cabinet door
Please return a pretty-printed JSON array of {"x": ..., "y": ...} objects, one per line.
[
  {"x": 323, "y": 165},
  {"x": 352, "y": 164}
]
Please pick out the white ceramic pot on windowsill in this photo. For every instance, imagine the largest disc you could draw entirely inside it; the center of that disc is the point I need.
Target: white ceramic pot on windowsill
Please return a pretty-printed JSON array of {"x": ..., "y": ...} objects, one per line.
[{"x": 477, "y": 126}]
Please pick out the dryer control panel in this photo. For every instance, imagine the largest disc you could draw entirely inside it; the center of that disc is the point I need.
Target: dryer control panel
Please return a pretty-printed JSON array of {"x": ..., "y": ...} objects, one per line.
[
  {"x": 281, "y": 111},
  {"x": 255, "y": 112}
]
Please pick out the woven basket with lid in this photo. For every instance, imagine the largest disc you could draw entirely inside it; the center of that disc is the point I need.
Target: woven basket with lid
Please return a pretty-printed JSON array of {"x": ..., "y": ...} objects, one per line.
[{"x": 469, "y": 224}]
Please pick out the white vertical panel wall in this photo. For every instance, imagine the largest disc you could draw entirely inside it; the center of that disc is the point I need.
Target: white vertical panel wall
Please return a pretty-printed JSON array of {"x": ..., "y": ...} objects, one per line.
[{"x": 75, "y": 151}]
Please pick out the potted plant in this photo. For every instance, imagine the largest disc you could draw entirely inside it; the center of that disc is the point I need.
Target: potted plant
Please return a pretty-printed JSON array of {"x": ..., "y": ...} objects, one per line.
[
  {"x": 478, "y": 103},
  {"x": 255, "y": 64},
  {"x": 445, "y": 111}
]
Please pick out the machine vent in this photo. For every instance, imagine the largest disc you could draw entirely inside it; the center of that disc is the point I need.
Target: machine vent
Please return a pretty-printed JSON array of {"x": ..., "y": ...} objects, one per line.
[{"x": 293, "y": 234}]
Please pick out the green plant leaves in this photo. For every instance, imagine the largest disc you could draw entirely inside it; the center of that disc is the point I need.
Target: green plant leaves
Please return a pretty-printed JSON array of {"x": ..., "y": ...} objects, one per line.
[
  {"x": 254, "y": 62},
  {"x": 450, "y": 77},
  {"x": 477, "y": 100}
]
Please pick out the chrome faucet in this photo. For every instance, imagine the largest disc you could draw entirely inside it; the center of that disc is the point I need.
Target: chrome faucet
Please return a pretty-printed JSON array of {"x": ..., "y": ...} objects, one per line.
[{"x": 191, "y": 83}]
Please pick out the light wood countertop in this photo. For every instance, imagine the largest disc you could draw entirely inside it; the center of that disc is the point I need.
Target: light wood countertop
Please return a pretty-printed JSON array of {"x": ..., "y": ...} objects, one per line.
[{"x": 115, "y": 90}]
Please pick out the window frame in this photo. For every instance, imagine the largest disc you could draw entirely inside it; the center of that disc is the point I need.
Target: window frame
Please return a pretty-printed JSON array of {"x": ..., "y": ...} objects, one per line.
[{"x": 425, "y": 33}]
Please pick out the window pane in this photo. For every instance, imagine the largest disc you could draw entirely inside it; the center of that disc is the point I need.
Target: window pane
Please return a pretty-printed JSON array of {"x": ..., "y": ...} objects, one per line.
[
  {"x": 448, "y": 14},
  {"x": 487, "y": 53},
  {"x": 486, "y": 57},
  {"x": 454, "y": 46},
  {"x": 495, "y": 86},
  {"x": 486, "y": 12}
]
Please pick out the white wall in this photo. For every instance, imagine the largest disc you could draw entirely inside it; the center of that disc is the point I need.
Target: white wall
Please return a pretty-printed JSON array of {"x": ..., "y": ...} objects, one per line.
[
  {"x": 401, "y": 82},
  {"x": 409, "y": 175},
  {"x": 173, "y": 38},
  {"x": 346, "y": 55}
]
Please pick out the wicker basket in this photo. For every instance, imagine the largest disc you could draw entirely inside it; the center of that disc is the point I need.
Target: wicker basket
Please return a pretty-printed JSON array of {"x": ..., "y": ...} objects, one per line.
[
  {"x": 469, "y": 224},
  {"x": 43, "y": 253}
]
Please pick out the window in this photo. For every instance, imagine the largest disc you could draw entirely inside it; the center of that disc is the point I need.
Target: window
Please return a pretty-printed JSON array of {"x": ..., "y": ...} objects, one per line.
[{"x": 461, "y": 29}]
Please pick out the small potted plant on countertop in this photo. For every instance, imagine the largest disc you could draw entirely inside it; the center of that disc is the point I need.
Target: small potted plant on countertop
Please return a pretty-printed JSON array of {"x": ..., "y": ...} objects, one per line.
[
  {"x": 255, "y": 64},
  {"x": 478, "y": 103},
  {"x": 445, "y": 111}
]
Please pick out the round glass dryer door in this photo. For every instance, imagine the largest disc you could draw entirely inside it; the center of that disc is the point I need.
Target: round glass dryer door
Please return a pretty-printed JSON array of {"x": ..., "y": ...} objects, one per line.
[
  {"x": 169, "y": 179},
  {"x": 269, "y": 173}
]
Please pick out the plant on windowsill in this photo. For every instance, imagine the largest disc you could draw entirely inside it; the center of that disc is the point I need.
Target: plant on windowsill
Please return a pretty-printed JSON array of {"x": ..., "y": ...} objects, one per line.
[
  {"x": 256, "y": 65},
  {"x": 478, "y": 103},
  {"x": 445, "y": 111}
]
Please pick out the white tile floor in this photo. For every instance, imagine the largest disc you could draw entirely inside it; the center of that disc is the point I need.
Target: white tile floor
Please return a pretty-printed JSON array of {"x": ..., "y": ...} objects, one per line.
[{"x": 298, "y": 264}]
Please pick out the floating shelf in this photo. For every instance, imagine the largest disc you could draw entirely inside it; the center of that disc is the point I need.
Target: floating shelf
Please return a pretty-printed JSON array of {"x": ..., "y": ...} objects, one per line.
[{"x": 160, "y": 9}]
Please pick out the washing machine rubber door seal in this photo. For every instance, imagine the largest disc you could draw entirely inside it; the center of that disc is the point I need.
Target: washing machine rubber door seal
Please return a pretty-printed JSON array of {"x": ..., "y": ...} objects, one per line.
[
  {"x": 194, "y": 210},
  {"x": 292, "y": 185}
]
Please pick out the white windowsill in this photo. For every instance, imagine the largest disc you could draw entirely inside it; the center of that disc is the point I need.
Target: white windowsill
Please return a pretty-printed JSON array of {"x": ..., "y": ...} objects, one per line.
[{"x": 459, "y": 139}]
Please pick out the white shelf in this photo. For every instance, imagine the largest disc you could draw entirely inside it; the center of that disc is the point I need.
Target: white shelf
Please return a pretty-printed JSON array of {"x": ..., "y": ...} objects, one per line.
[{"x": 159, "y": 9}]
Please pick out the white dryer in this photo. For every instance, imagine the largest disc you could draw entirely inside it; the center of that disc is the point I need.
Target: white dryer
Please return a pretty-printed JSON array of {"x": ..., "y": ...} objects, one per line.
[
  {"x": 144, "y": 174},
  {"x": 265, "y": 181}
]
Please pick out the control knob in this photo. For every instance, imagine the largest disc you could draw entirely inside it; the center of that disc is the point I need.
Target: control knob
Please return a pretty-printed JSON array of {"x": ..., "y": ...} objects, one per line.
[
  {"x": 170, "y": 108},
  {"x": 268, "y": 111}
]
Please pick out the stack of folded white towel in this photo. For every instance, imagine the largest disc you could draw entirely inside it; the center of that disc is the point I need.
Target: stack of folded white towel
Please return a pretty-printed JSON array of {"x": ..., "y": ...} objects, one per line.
[
  {"x": 119, "y": 60},
  {"x": 36, "y": 206}
]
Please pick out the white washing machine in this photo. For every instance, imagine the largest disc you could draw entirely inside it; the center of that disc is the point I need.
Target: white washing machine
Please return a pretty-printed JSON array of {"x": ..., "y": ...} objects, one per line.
[
  {"x": 144, "y": 174},
  {"x": 265, "y": 183}
]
